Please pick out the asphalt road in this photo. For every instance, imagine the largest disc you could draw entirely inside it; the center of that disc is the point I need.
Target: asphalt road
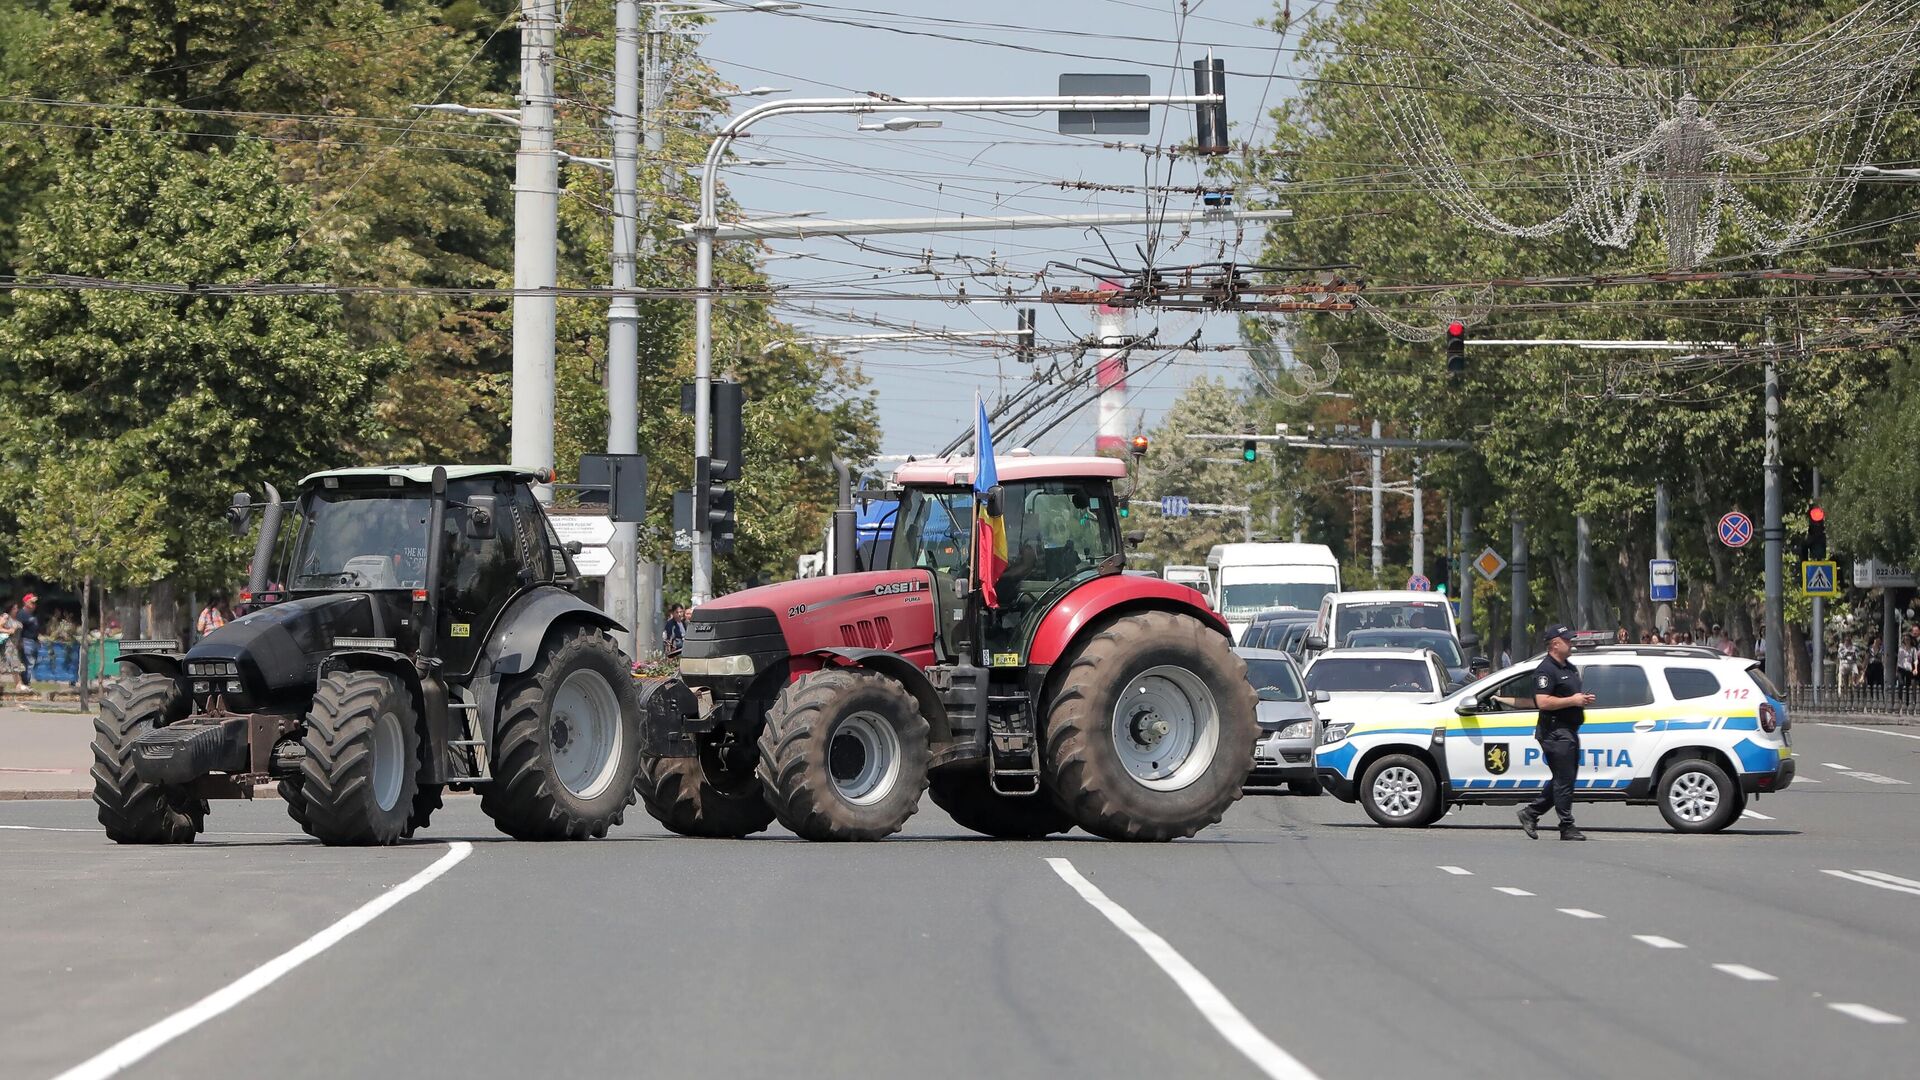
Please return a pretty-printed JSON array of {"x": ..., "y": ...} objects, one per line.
[{"x": 1346, "y": 949}]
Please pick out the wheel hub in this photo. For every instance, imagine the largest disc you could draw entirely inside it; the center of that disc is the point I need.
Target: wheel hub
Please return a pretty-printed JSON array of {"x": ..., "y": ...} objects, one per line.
[
  {"x": 1695, "y": 796},
  {"x": 863, "y": 758},
  {"x": 585, "y": 733},
  {"x": 1165, "y": 727}
]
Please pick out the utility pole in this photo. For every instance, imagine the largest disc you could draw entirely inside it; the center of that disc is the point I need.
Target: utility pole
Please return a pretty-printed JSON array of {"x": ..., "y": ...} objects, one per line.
[
  {"x": 1379, "y": 541},
  {"x": 1775, "y": 530},
  {"x": 1819, "y": 620},
  {"x": 1467, "y": 636},
  {"x": 623, "y": 313},
  {"x": 1582, "y": 572},
  {"x": 1419, "y": 521},
  {"x": 536, "y": 217},
  {"x": 1662, "y": 549},
  {"x": 1522, "y": 600}
]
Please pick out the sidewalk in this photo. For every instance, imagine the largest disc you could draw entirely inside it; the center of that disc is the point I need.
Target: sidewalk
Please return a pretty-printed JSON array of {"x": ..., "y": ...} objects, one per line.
[{"x": 45, "y": 755}]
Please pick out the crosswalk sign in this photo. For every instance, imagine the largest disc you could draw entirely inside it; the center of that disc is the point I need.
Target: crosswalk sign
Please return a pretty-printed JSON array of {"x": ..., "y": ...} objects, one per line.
[{"x": 1819, "y": 579}]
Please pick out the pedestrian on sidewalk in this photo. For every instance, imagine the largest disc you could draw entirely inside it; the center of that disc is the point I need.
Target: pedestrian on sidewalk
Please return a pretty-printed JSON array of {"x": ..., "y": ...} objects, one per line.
[
  {"x": 1562, "y": 703},
  {"x": 675, "y": 634},
  {"x": 214, "y": 616},
  {"x": 10, "y": 643},
  {"x": 29, "y": 635}
]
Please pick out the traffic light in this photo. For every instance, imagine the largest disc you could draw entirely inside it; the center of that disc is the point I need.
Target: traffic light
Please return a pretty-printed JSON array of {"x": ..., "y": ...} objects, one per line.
[
  {"x": 1437, "y": 573},
  {"x": 1817, "y": 534},
  {"x": 713, "y": 504},
  {"x": 1456, "y": 349},
  {"x": 1139, "y": 446},
  {"x": 1250, "y": 449},
  {"x": 1210, "y": 121},
  {"x": 725, "y": 401}
]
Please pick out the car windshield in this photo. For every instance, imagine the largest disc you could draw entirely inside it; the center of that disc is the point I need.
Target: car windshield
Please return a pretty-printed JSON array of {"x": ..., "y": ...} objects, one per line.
[
  {"x": 1370, "y": 675},
  {"x": 1388, "y": 615},
  {"x": 1253, "y": 597},
  {"x": 1275, "y": 680},
  {"x": 1442, "y": 643},
  {"x": 361, "y": 539}
]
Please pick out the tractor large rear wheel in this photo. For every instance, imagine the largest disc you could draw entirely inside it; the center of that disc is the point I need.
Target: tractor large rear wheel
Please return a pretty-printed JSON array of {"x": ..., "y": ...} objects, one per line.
[
  {"x": 134, "y": 811},
  {"x": 361, "y": 772},
  {"x": 567, "y": 750},
  {"x": 715, "y": 794},
  {"x": 1150, "y": 735},
  {"x": 969, "y": 799},
  {"x": 843, "y": 755}
]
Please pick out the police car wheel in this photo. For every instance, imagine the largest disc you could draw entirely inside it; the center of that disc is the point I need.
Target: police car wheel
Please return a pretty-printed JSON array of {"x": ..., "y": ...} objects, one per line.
[
  {"x": 1697, "y": 796},
  {"x": 1399, "y": 790}
]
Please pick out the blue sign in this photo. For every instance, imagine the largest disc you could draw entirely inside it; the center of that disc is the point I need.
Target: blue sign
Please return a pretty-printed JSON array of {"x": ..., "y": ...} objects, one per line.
[
  {"x": 1820, "y": 578},
  {"x": 1419, "y": 583},
  {"x": 1663, "y": 581},
  {"x": 1736, "y": 529},
  {"x": 1173, "y": 506}
]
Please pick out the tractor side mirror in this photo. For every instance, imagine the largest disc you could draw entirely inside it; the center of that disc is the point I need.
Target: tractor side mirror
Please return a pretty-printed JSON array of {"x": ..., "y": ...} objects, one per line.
[
  {"x": 1135, "y": 539},
  {"x": 575, "y": 547},
  {"x": 239, "y": 512},
  {"x": 480, "y": 518}
]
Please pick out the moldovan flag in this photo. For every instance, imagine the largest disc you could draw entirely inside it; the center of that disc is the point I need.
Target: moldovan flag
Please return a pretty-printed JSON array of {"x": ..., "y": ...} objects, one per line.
[{"x": 989, "y": 530}]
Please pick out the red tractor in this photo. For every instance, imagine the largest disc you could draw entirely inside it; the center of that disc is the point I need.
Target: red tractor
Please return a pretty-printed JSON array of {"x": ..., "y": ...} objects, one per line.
[{"x": 1085, "y": 697}]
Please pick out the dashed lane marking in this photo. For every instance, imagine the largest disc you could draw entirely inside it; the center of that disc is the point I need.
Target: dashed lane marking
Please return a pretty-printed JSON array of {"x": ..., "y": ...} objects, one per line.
[
  {"x": 1755, "y": 814},
  {"x": 1836, "y": 765},
  {"x": 1862, "y": 774},
  {"x": 1875, "y": 730},
  {"x": 1658, "y": 942},
  {"x": 1865, "y": 1012},
  {"x": 1511, "y": 891},
  {"x": 1580, "y": 913},
  {"x": 141, "y": 1043},
  {"x": 1456, "y": 871},
  {"x": 1230, "y": 1022},
  {"x": 1878, "y": 880},
  {"x": 1742, "y": 971}
]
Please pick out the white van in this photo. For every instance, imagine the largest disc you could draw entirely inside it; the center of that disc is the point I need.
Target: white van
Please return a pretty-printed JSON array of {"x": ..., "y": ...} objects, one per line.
[
  {"x": 1382, "y": 608},
  {"x": 1250, "y": 578},
  {"x": 1194, "y": 577}
]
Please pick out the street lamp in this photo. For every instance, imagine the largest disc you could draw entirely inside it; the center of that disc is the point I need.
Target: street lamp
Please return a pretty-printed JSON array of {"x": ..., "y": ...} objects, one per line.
[
  {"x": 510, "y": 116},
  {"x": 717, "y": 7},
  {"x": 759, "y": 91},
  {"x": 901, "y": 123}
]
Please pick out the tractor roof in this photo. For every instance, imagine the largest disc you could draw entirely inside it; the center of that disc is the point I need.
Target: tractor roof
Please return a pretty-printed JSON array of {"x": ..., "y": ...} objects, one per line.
[
  {"x": 1018, "y": 465},
  {"x": 423, "y": 474}
]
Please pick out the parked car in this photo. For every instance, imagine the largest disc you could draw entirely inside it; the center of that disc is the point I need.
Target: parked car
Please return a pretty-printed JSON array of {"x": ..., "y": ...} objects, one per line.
[
  {"x": 1289, "y": 723},
  {"x": 1268, "y": 629},
  {"x": 1443, "y": 645},
  {"x": 1692, "y": 732}
]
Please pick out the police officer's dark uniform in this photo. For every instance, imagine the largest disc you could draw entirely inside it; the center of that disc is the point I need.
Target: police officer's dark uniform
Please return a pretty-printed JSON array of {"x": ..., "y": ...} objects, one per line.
[{"x": 1558, "y": 733}]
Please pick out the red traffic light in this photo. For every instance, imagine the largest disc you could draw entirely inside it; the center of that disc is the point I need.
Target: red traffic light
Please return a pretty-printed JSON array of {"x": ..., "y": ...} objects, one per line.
[
  {"x": 1455, "y": 329},
  {"x": 1816, "y": 515}
]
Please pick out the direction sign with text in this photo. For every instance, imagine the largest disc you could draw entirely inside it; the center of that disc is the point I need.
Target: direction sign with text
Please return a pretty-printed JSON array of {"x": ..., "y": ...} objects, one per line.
[
  {"x": 1174, "y": 506},
  {"x": 588, "y": 529},
  {"x": 593, "y": 561}
]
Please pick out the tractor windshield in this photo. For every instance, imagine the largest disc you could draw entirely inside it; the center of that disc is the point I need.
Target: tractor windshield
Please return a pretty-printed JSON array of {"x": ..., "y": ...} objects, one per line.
[
  {"x": 1056, "y": 530},
  {"x": 361, "y": 539}
]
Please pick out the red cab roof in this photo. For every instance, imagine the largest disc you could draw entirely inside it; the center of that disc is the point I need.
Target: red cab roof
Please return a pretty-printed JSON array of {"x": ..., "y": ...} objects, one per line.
[{"x": 1017, "y": 465}]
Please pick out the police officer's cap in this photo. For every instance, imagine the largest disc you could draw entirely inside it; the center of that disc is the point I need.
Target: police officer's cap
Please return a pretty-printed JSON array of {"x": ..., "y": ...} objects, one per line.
[
  {"x": 1560, "y": 630},
  {"x": 1478, "y": 663}
]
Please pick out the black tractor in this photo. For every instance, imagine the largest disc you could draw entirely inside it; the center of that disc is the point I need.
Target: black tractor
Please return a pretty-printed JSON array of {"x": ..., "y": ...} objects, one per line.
[{"x": 414, "y": 630}]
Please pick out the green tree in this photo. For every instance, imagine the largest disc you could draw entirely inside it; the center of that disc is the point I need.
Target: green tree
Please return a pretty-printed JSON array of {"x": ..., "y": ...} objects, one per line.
[
  {"x": 205, "y": 392},
  {"x": 1177, "y": 465}
]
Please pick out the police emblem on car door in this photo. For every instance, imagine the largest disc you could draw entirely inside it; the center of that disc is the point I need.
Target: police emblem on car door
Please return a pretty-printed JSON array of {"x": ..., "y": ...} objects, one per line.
[{"x": 1497, "y": 758}]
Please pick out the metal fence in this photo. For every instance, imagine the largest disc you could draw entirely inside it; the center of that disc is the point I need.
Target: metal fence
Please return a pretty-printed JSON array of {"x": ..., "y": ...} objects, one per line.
[{"x": 1898, "y": 700}]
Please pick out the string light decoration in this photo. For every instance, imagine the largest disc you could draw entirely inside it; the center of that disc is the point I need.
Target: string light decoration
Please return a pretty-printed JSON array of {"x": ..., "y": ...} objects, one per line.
[{"x": 1626, "y": 136}]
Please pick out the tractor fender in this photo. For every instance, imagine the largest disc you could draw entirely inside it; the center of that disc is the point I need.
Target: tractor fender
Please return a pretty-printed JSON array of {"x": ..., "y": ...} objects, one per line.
[
  {"x": 1104, "y": 599},
  {"x": 429, "y": 699},
  {"x": 155, "y": 663},
  {"x": 903, "y": 671},
  {"x": 517, "y": 636}
]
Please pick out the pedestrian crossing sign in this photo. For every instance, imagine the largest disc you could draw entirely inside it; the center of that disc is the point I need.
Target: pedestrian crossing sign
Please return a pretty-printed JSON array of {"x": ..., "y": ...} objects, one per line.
[{"x": 1819, "y": 579}]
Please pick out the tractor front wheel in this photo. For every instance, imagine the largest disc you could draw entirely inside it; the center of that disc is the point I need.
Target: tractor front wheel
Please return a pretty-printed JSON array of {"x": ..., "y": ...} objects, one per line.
[
  {"x": 1150, "y": 735},
  {"x": 843, "y": 755},
  {"x": 567, "y": 751},
  {"x": 361, "y": 773},
  {"x": 968, "y": 797},
  {"x": 716, "y": 793},
  {"x": 134, "y": 811}
]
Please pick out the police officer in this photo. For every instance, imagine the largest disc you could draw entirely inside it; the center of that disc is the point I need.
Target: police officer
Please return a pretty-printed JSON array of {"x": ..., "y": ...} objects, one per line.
[
  {"x": 1478, "y": 667},
  {"x": 1563, "y": 706}
]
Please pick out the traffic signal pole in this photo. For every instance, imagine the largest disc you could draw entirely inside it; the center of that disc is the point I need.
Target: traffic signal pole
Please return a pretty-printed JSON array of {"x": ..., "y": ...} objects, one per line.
[
  {"x": 1819, "y": 615},
  {"x": 1775, "y": 530}
]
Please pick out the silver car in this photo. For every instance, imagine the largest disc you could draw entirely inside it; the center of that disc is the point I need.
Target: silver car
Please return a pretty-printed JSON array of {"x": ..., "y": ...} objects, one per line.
[{"x": 1289, "y": 724}]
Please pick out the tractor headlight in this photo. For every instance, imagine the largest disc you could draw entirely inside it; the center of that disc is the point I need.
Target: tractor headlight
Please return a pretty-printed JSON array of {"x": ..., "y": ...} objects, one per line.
[
  {"x": 233, "y": 686},
  {"x": 199, "y": 686},
  {"x": 1299, "y": 729},
  {"x": 716, "y": 665},
  {"x": 1335, "y": 733}
]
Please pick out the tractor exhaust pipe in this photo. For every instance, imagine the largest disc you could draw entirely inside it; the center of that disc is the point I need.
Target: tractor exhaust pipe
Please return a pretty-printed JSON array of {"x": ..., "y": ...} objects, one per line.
[
  {"x": 428, "y": 613},
  {"x": 846, "y": 549},
  {"x": 260, "y": 577}
]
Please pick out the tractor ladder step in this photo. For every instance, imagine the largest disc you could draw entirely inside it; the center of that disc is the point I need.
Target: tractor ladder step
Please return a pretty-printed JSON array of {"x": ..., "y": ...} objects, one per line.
[
  {"x": 480, "y": 745},
  {"x": 1013, "y": 753}
]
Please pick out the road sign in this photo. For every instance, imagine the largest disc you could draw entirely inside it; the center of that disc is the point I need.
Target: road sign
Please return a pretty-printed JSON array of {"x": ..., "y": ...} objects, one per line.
[
  {"x": 593, "y": 561},
  {"x": 1736, "y": 529},
  {"x": 1419, "y": 583},
  {"x": 1174, "y": 506},
  {"x": 1819, "y": 578},
  {"x": 1663, "y": 581},
  {"x": 1489, "y": 564},
  {"x": 1874, "y": 574},
  {"x": 590, "y": 529}
]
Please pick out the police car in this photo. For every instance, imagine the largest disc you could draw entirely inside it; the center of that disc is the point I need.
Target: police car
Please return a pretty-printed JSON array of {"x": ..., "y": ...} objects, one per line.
[{"x": 1686, "y": 729}]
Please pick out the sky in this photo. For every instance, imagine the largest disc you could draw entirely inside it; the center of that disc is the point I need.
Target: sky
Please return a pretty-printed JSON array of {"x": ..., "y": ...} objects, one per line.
[{"x": 986, "y": 164}]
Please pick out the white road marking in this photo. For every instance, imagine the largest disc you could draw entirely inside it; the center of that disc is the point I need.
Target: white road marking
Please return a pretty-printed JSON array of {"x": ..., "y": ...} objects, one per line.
[
  {"x": 1658, "y": 942},
  {"x": 1896, "y": 879},
  {"x": 141, "y": 1043},
  {"x": 1511, "y": 891},
  {"x": 1456, "y": 871},
  {"x": 44, "y": 828},
  {"x": 1860, "y": 774},
  {"x": 1875, "y": 730},
  {"x": 1229, "y": 1021},
  {"x": 1742, "y": 971},
  {"x": 1833, "y": 765},
  {"x": 1580, "y": 913},
  {"x": 1755, "y": 814},
  {"x": 1865, "y": 1012},
  {"x": 1899, "y": 885},
  {"x": 1807, "y": 780}
]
